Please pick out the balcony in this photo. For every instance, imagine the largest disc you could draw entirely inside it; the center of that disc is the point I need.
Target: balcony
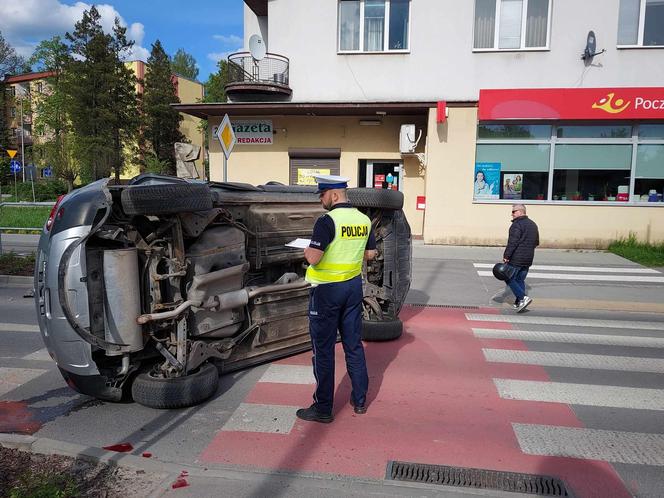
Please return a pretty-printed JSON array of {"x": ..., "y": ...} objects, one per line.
[{"x": 250, "y": 79}]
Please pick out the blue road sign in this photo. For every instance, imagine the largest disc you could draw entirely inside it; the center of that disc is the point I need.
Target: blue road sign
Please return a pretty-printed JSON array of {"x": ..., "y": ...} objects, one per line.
[
  {"x": 47, "y": 172},
  {"x": 14, "y": 166}
]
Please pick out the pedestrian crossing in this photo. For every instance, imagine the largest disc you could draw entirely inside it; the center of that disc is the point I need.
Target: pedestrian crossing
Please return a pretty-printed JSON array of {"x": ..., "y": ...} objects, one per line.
[
  {"x": 595, "y": 443},
  {"x": 635, "y": 274}
]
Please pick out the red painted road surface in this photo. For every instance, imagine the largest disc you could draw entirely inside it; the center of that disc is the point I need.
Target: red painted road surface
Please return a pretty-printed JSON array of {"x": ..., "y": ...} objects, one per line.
[{"x": 431, "y": 400}]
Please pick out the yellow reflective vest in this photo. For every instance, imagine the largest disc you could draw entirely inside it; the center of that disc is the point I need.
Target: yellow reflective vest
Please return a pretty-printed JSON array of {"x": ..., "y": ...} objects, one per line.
[{"x": 343, "y": 257}]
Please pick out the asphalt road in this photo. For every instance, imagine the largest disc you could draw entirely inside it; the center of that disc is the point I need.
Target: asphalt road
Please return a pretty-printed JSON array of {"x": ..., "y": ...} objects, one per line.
[{"x": 578, "y": 378}]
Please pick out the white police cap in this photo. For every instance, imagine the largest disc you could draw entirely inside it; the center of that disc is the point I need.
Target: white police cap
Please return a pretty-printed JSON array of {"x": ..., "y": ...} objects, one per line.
[{"x": 327, "y": 182}]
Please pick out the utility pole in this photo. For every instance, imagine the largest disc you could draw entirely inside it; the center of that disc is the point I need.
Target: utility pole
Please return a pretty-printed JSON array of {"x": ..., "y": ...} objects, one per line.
[{"x": 22, "y": 131}]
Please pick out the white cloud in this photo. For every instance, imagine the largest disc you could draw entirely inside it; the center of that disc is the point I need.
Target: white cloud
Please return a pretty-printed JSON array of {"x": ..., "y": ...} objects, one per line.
[
  {"x": 229, "y": 44},
  {"x": 229, "y": 39},
  {"x": 25, "y": 23}
]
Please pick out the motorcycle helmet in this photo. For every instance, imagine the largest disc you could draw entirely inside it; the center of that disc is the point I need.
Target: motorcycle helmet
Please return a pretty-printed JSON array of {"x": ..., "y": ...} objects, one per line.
[{"x": 500, "y": 271}]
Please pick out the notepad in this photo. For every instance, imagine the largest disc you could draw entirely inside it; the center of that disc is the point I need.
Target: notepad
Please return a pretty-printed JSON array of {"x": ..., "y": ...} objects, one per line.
[{"x": 299, "y": 243}]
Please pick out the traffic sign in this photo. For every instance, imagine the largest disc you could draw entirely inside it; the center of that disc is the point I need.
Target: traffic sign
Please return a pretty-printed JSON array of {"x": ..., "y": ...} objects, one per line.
[
  {"x": 47, "y": 172},
  {"x": 12, "y": 153},
  {"x": 226, "y": 136},
  {"x": 14, "y": 166}
]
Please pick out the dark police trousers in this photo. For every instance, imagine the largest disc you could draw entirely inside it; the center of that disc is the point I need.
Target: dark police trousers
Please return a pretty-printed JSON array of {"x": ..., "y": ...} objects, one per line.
[{"x": 335, "y": 306}]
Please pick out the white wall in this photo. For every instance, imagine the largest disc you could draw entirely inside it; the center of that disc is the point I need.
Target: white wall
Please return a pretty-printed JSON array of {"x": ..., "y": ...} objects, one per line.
[{"x": 441, "y": 64}]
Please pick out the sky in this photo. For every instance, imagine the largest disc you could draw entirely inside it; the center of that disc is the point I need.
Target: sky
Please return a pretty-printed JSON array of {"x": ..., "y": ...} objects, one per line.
[{"x": 208, "y": 30}]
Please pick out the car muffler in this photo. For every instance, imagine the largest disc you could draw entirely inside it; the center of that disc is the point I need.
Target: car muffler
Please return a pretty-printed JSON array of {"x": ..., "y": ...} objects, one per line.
[{"x": 122, "y": 300}]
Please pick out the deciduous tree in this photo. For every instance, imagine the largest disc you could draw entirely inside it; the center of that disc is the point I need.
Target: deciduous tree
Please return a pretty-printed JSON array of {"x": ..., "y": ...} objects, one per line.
[{"x": 184, "y": 64}]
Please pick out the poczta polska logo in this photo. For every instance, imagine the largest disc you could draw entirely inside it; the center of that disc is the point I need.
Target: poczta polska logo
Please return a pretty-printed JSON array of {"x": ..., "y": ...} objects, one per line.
[{"x": 608, "y": 105}]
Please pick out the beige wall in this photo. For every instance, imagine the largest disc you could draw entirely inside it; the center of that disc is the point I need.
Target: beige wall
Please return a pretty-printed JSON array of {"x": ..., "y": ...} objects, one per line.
[
  {"x": 191, "y": 92},
  {"x": 258, "y": 164},
  {"x": 452, "y": 217}
]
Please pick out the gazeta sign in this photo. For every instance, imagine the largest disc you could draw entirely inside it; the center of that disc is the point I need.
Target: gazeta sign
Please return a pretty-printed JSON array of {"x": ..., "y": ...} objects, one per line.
[{"x": 253, "y": 132}]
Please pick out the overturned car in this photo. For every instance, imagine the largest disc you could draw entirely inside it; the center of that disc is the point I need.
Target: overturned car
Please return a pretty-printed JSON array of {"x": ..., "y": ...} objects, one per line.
[{"x": 150, "y": 290}]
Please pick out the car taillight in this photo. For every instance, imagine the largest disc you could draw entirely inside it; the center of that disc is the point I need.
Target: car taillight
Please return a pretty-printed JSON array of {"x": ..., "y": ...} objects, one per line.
[{"x": 54, "y": 212}]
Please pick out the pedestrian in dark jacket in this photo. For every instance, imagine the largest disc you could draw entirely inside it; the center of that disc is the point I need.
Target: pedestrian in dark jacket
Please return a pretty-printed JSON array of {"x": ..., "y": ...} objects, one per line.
[{"x": 519, "y": 253}]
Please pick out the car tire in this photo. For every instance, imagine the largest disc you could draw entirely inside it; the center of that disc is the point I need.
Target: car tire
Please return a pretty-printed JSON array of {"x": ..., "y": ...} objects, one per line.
[
  {"x": 374, "y": 331},
  {"x": 375, "y": 198},
  {"x": 178, "y": 392},
  {"x": 166, "y": 198}
]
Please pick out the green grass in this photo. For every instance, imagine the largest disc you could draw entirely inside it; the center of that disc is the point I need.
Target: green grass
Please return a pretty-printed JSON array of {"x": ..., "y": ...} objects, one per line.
[
  {"x": 44, "y": 484},
  {"x": 12, "y": 264},
  {"x": 639, "y": 252},
  {"x": 24, "y": 216}
]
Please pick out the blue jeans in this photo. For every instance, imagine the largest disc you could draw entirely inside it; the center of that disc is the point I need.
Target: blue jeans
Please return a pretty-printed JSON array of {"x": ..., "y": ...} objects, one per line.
[{"x": 518, "y": 282}]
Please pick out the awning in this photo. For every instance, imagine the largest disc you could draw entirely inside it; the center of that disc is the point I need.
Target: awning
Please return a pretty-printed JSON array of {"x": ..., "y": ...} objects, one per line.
[{"x": 203, "y": 110}]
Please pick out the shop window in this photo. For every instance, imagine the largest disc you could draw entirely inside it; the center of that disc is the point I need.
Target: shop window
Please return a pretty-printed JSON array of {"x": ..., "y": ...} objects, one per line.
[
  {"x": 510, "y": 131},
  {"x": 597, "y": 172},
  {"x": 649, "y": 176},
  {"x": 594, "y": 131},
  {"x": 512, "y": 171},
  {"x": 373, "y": 25},
  {"x": 641, "y": 23},
  {"x": 499, "y": 24},
  {"x": 651, "y": 132},
  {"x": 304, "y": 163}
]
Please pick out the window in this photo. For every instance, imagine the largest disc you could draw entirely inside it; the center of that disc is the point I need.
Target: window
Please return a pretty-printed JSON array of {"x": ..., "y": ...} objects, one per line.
[
  {"x": 373, "y": 25},
  {"x": 511, "y": 24},
  {"x": 40, "y": 87},
  {"x": 12, "y": 112},
  {"x": 571, "y": 162},
  {"x": 641, "y": 23}
]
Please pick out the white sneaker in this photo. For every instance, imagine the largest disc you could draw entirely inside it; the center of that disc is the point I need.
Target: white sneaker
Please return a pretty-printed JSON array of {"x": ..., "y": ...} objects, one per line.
[{"x": 525, "y": 302}]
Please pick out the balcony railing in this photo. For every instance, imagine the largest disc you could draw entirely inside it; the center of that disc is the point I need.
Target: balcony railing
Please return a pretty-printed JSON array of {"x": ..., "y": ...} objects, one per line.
[{"x": 248, "y": 75}]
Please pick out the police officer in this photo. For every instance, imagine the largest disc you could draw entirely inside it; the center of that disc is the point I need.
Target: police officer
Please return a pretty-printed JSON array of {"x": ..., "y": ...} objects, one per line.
[{"x": 341, "y": 240}]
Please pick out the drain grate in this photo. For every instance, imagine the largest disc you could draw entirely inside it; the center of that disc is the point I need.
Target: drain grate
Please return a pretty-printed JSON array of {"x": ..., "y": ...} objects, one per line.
[
  {"x": 476, "y": 478},
  {"x": 452, "y": 306}
]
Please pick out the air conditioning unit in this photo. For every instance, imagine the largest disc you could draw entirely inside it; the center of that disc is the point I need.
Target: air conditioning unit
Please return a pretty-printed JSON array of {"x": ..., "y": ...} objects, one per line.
[{"x": 407, "y": 140}]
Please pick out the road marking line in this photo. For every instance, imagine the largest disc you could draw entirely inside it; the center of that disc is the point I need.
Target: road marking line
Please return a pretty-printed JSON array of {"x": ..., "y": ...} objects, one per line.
[
  {"x": 252, "y": 417},
  {"x": 571, "y": 338},
  {"x": 636, "y": 398},
  {"x": 18, "y": 327},
  {"x": 571, "y": 322},
  {"x": 289, "y": 374},
  {"x": 40, "y": 355},
  {"x": 593, "y": 444},
  {"x": 580, "y": 276},
  {"x": 588, "y": 269},
  {"x": 11, "y": 378},
  {"x": 573, "y": 360}
]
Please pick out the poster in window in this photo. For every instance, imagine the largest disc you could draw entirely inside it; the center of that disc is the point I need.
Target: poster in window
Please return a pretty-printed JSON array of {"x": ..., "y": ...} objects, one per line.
[
  {"x": 305, "y": 176},
  {"x": 512, "y": 185},
  {"x": 487, "y": 181}
]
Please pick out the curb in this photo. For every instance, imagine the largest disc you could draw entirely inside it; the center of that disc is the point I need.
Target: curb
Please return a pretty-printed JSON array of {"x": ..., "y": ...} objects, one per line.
[{"x": 15, "y": 280}]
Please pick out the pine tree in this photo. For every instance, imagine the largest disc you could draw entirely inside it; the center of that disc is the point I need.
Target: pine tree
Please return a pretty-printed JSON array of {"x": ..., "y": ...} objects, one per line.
[
  {"x": 101, "y": 100},
  {"x": 216, "y": 83},
  {"x": 161, "y": 121},
  {"x": 184, "y": 64}
]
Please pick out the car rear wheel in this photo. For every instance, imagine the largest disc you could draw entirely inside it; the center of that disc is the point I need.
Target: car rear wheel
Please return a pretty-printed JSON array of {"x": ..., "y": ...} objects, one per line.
[
  {"x": 374, "y": 331},
  {"x": 170, "y": 198},
  {"x": 177, "y": 392},
  {"x": 375, "y": 198}
]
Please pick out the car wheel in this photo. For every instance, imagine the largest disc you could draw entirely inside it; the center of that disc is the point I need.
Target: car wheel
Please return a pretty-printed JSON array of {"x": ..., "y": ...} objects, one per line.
[
  {"x": 374, "y": 331},
  {"x": 177, "y": 392},
  {"x": 166, "y": 199},
  {"x": 375, "y": 198}
]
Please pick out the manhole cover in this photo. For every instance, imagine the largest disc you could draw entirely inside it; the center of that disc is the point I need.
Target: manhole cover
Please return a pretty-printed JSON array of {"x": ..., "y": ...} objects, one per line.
[{"x": 476, "y": 478}]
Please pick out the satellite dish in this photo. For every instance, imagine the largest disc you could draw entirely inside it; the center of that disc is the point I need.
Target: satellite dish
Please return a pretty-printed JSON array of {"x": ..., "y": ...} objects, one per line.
[
  {"x": 257, "y": 47},
  {"x": 591, "y": 46}
]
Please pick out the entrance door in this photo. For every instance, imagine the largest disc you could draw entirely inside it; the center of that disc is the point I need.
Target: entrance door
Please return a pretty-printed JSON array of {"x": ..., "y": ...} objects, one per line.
[{"x": 380, "y": 172}]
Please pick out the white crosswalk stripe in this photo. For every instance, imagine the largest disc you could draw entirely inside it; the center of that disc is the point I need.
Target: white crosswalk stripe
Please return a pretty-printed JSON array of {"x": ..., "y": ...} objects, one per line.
[
  {"x": 40, "y": 355},
  {"x": 18, "y": 327},
  {"x": 11, "y": 378},
  {"x": 573, "y": 360},
  {"x": 289, "y": 374},
  {"x": 253, "y": 417},
  {"x": 593, "y": 444},
  {"x": 585, "y": 277},
  {"x": 571, "y": 338},
  {"x": 581, "y": 394},
  {"x": 567, "y": 322},
  {"x": 581, "y": 269}
]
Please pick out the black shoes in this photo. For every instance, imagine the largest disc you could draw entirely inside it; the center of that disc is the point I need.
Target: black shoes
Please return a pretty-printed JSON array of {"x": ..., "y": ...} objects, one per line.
[
  {"x": 312, "y": 415},
  {"x": 359, "y": 409}
]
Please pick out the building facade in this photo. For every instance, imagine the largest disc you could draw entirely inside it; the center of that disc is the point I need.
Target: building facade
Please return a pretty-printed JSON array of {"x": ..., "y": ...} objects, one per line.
[{"x": 466, "y": 106}]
